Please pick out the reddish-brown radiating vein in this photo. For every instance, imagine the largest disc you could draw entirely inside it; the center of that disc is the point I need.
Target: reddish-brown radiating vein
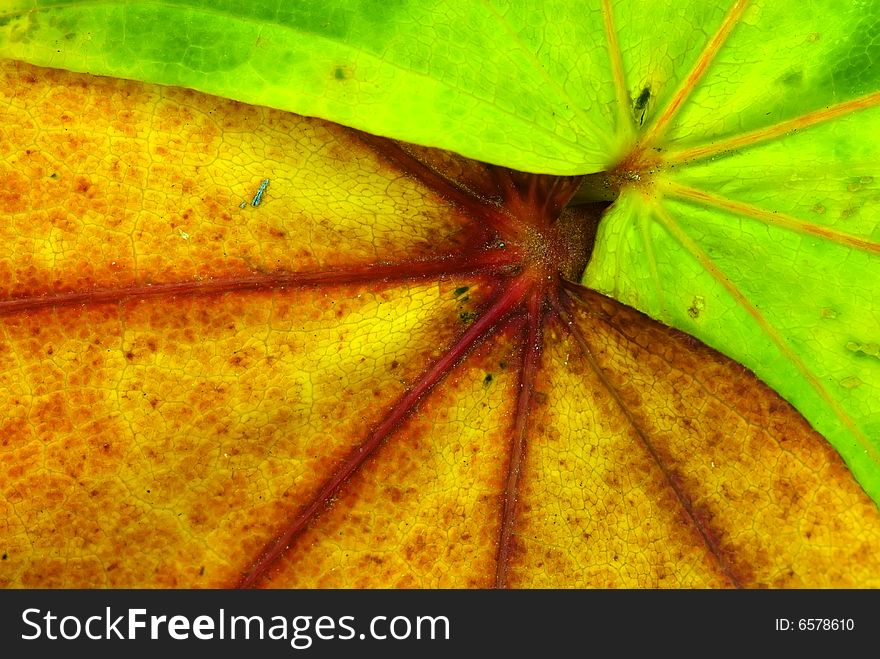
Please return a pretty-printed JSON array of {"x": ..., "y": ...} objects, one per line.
[
  {"x": 776, "y": 130},
  {"x": 476, "y": 207},
  {"x": 528, "y": 370},
  {"x": 771, "y": 217},
  {"x": 377, "y": 272},
  {"x": 706, "y": 534},
  {"x": 661, "y": 125},
  {"x": 483, "y": 327}
]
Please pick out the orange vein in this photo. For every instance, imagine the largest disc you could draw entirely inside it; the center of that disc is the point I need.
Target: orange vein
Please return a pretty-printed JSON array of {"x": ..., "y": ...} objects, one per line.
[
  {"x": 776, "y": 130},
  {"x": 691, "y": 246},
  {"x": 684, "y": 500},
  {"x": 772, "y": 218},
  {"x": 625, "y": 119},
  {"x": 655, "y": 133}
]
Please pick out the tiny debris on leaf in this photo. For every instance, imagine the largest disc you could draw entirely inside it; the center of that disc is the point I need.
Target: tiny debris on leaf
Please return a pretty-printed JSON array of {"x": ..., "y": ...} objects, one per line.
[{"x": 259, "y": 196}]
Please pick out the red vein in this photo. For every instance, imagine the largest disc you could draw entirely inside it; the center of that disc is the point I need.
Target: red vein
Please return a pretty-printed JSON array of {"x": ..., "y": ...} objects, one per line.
[
  {"x": 656, "y": 131},
  {"x": 476, "y": 207},
  {"x": 776, "y": 130},
  {"x": 412, "y": 270},
  {"x": 683, "y": 499},
  {"x": 540, "y": 204},
  {"x": 528, "y": 371},
  {"x": 625, "y": 119},
  {"x": 483, "y": 327},
  {"x": 772, "y": 218},
  {"x": 772, "y": 333}
]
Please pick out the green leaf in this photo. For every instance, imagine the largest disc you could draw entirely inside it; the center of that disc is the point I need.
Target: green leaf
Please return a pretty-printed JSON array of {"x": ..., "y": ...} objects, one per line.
[
  {"x": 741, "y": 135},
  {"x": 758, "y": 232},
  {"x": 517, "y": 77}
]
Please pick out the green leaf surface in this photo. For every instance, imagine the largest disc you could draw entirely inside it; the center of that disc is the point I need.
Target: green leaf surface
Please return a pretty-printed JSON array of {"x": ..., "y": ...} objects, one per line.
[
  {"x": 742, "y": 135},
  {"x": 507, "y": 82},
  {"x": 758, "y": 231}
]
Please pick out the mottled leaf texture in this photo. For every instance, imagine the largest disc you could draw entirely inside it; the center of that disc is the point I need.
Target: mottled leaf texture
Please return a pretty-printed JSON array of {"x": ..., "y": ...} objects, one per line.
[
  {"x": 738, "y": 138},
  {"x": 382, "y": 374}
]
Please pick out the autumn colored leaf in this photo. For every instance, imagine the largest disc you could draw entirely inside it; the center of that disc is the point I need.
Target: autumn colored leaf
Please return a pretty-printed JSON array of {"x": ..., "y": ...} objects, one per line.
[
  {"x": 249, "y": 348},
  {"x": 377, "y": 376},
  {"x": 736, "y": 137}
]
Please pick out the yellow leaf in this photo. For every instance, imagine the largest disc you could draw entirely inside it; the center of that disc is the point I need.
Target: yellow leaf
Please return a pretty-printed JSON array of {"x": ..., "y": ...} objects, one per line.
[{"x": 242, "y": 347}]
